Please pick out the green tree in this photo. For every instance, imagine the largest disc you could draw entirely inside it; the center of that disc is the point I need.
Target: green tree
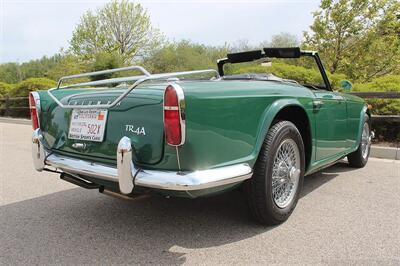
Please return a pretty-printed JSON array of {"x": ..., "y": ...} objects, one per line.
[
  {"x": 104, "y": 61},
  {"x": 241, "y": 45},
  {"x": 5, "y": 89},
  {"x": 121, "y": 27},
  {"x": 359, "y": 38},
  {"x": 10, "y": 73},
  {"x": 38, "y": 68},
  {"x": 184, "y": 55},
  {"x": 283, "y": 39},
  {"x": 13, "y": 73},
  {"x": 23, "y": 88},
  {"x": 68, "y": 65}
]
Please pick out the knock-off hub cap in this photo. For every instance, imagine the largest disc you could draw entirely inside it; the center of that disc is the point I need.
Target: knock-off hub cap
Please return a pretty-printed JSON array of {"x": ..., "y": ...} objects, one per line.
[
  {"x": 285, "y": 173},
  {"x": 294, "y": 173}
]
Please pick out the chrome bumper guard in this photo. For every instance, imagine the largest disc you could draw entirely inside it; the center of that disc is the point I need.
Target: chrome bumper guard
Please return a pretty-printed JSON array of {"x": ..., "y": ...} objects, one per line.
[{"x": 128, "y": 175}]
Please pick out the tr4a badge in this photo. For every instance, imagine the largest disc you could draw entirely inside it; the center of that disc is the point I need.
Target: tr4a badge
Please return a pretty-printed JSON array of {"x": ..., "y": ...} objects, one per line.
[{"x": 135, "y": 129}]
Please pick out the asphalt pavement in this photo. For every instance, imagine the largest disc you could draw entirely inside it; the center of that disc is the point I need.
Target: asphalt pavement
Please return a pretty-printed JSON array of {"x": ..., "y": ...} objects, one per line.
[{"x": 345, "y": 216}]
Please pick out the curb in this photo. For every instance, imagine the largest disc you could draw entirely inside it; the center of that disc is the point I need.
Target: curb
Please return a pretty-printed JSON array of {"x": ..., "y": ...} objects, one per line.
[
  {"x": 385, "y": 152},
  {"x": 15, "y": 120},
  {"x": 382, "y": 152}
]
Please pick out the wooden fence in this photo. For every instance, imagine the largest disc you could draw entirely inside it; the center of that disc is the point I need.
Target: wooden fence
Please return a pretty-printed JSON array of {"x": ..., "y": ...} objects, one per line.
[
  {"x": 377, "y": 95},
  {"x": 7, "y": 107},
  {"x": 380, "y": 95}
]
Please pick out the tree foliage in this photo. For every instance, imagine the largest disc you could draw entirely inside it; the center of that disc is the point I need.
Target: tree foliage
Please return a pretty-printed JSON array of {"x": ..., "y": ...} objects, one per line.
[
  {"x": 184, "y": 55},
  {"x": 14, "y": 72},
  {"x": 284, "y": 39},
  {"x": 5, "y": 89},
  {"x": 32, "y": 84},
  {"x": 387, "y": 83},
  {"x": 10, "y": 73},
  {"x": 67, "y": 65},
  {"x": 241, "y": 45},
  {"x": 105, "y": 61},
  {"x": 121, "y": 27},
  {"x": 359, "y": 38}
]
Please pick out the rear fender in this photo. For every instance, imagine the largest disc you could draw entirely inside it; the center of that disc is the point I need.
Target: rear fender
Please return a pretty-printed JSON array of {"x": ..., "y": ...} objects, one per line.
[{"x": 267, "y": 119}]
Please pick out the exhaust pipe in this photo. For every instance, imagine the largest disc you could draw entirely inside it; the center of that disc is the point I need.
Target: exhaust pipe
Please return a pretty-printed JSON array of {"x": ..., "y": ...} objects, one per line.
[
  {"x": 79, "y": 181},
  {"x": 76, "y": 180},
  {"x": 122, "y": 196}
]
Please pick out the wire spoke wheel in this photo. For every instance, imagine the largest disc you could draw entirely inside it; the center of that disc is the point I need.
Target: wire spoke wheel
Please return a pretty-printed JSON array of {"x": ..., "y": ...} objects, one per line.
[
  {"x": 274, "y": 189},
  {"x": 359, "y": 157},
  {"x": 285, "y": 173},
  {"x": 365, "y": 141}
]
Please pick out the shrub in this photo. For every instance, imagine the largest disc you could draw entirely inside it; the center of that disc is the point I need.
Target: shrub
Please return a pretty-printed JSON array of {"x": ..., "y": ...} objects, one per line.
[
  {"x": 5, "y": 89},
  {"x": 382, "y": 106},
  {"x": 23, "y": 88}
]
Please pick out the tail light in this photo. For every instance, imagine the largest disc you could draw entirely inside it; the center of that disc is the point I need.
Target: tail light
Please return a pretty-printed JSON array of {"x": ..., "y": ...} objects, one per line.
[
  {"x": 33, "y": 104},
  {"x": 174, "y": 116}
]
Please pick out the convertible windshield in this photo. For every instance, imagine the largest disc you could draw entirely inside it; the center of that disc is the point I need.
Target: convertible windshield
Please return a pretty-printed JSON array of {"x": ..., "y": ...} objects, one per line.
[
  {"x": 257, "y": 76},
  {"x": 302, "y": 71},
  {"x": 276, "y": 64}
]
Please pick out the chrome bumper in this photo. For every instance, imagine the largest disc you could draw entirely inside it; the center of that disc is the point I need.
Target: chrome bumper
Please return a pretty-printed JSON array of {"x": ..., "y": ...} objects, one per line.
[{"x": 127, "y": 175}]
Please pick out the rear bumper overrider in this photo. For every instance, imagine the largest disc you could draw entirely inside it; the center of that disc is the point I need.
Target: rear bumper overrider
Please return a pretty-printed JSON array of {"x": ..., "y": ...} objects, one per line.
[{"x": 128, "y": 175}]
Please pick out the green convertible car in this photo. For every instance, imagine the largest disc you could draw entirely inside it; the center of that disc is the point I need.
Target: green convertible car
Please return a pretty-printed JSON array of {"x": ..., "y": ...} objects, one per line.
[{"x": 198, "y": 133}]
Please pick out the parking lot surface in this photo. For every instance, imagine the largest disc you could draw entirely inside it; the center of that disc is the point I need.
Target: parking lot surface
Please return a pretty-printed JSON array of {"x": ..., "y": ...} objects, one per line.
[{"x": 345, "y": 216}]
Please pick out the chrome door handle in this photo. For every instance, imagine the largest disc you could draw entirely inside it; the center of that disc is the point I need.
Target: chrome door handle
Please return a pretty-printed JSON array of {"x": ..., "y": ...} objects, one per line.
[{"x": 317, "y": 104}]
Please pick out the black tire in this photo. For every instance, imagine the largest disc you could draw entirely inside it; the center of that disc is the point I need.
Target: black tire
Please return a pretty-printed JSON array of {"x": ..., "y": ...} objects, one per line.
[
  {"x": 259, "y": 187},
  {"x": 356, "y": 159}
]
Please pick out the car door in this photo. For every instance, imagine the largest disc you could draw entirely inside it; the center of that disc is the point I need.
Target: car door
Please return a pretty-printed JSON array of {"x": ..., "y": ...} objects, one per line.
[{"x": 331, "y": 122}]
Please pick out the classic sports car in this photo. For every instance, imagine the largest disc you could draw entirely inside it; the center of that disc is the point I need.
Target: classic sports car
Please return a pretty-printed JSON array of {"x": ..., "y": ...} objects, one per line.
[{"x": 181, "y": 134}]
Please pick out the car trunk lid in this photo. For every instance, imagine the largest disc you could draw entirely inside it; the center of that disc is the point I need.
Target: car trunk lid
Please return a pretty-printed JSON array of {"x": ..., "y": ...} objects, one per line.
[{"x": 139, "y": 116}]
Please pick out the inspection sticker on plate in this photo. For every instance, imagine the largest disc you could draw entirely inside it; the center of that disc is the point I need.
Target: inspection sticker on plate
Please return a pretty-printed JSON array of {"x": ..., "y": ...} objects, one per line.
[{"x": 87, "y": 124}]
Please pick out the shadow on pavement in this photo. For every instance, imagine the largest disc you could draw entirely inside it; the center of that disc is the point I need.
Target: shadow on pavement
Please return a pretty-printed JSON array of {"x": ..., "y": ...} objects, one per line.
[{"x": 83, "y": 227}]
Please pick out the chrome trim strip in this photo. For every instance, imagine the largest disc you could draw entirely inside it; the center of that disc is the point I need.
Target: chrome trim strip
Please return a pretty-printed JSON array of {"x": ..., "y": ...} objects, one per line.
[
  {"x": 178, "y": 159},
  {"x": 77, "y": 166},
  {"x": 194, "y": 180},
  {"x": 128, "y": 175},
  {"x": 38, "y": 153},
  {"x": 125, "y": 166},
  {"x": 171, "y": 108},
  {"x": 168, "y": 180},
  {"x": 182, "y": 111},
  {"x": 36, "y": 97}
]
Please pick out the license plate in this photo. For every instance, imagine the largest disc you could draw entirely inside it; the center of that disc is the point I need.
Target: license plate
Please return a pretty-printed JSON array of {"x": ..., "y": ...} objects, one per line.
[{"x": 87, "y": 124}]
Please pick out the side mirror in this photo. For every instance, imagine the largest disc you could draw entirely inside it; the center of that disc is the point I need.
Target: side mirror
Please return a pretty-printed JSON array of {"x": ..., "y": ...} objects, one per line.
[{"x": 345, "y": 85}]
